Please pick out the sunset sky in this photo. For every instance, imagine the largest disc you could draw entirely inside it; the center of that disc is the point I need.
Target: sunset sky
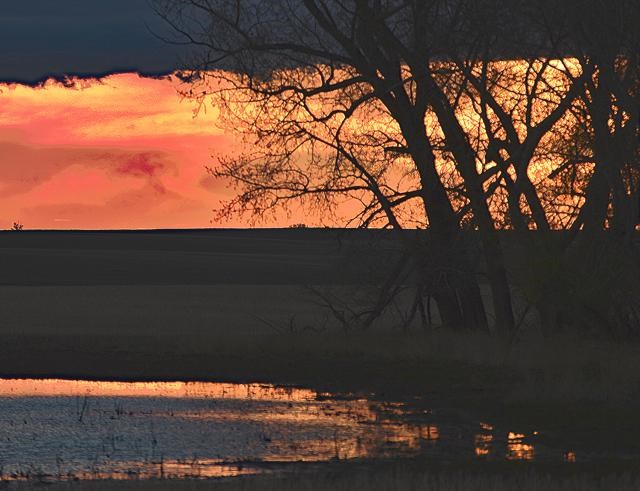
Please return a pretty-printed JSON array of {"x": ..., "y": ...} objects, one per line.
[{"x": 121, "y": 152}]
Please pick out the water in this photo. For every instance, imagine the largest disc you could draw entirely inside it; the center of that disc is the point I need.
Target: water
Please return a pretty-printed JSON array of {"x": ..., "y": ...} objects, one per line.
[{"x": 61, "y": 429}]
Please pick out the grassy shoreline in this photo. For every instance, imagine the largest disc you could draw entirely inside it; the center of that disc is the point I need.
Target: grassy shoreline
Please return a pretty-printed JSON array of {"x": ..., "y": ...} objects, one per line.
[
  {"x": 402, "y": 365},
  {"x": 580, "y": 392}
]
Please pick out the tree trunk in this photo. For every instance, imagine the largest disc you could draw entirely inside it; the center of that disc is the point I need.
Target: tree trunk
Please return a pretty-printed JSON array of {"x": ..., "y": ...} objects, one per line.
[
  {"x": 473, "y": 311},
  {"x": 449, "y": 308},
  {"x": 456, "y": 289},
  {"x": 499, "y": 282}
]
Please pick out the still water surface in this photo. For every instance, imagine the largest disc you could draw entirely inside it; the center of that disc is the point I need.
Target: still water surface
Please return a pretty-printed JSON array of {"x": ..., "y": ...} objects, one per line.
[{"x": 64, "y": 429}]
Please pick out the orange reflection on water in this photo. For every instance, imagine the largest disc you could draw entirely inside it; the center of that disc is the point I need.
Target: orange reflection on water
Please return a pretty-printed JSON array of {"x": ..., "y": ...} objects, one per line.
[
  {"x": 162, "y": 469},
  {"x": 360, "y": 430},
  {"x": 335, "y": 412},
  {"x": 570, "y": 457},
  {"x": 483, "y": 441},
  {"x": 201, "y": 468},
  {"x": 192, "y": 390},
  {"x": 483, "y": 445},
  {"x": 298, "y": 426},
  {"x": 429, "y": 433},
  {"x": 387, "y": 440},
  {"x": 517, "y": 449},
  {"x": 410, "y": 436}
]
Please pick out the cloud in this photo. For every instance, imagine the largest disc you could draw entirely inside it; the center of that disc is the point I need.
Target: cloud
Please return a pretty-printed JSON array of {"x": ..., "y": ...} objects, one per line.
[
  {"x": 209, "y": 183},
  {"x": 121, "y": 152},
  {"x": 141, "y": 165},
  {"x": 24, "y": 167},
  {"x": 117, "y": 108}
]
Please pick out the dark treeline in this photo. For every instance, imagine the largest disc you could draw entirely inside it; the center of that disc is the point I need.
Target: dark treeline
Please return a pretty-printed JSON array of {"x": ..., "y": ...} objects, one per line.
[{"x": 449, "y": 114}]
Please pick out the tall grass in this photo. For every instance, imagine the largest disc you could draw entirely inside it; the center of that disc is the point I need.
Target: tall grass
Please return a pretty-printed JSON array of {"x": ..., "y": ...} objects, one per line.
[{"x": 558, "y": 368}]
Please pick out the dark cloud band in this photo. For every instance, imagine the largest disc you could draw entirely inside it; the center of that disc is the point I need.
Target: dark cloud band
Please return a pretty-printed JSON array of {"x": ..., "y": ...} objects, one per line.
[{"x": 40, "y": 39}]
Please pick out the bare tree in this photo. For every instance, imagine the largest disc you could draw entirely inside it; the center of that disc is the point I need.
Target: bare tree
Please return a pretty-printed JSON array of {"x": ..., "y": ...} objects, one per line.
[
  {"x": 338, "y": 94},
  {"x": 607, "y": 45},
  {"x": 364, "y": 106}
]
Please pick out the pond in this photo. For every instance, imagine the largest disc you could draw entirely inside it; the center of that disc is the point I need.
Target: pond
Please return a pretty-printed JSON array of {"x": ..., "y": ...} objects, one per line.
[{"x": 74, "y": 429}]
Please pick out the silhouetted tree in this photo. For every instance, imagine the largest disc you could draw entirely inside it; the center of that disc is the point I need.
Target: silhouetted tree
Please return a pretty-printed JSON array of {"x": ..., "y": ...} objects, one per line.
[
  {"x": 606, "y": 41},
  {"x": 603, "y": 40},
  {"x": 370, "y": 102}
]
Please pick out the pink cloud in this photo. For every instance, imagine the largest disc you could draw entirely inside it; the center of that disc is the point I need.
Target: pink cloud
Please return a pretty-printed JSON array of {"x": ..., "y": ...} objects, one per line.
[
  {"x": 122, "y": 152},
  {"x": 141, "y": 165}
]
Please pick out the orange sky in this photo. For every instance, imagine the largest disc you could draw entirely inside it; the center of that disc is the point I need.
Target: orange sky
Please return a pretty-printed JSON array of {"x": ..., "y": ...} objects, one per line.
[{"x": 123, "y": 152}]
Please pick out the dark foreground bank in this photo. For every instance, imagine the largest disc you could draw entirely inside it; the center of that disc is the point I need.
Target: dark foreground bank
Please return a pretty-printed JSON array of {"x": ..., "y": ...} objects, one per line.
[
  {"x": 235, "y": 306},
  {"x": 406, "y": 476}
]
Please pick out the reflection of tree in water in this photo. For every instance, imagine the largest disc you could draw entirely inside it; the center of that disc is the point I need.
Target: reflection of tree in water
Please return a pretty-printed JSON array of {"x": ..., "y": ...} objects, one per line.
[
  {"x": 517, "y": 449},
  {"x": 483, "y": 444}
]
